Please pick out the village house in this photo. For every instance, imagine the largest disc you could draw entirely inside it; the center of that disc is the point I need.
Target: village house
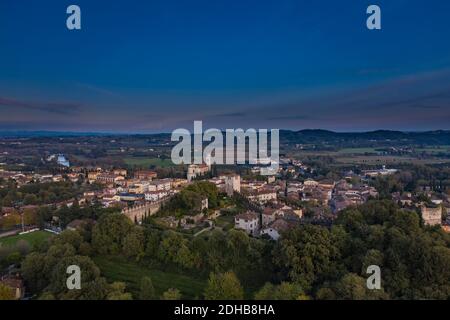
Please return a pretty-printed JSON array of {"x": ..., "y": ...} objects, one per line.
[
  {"x": 145, "y": 175},
  {"x": 310, "y": 183},
  {"x": 262, "y": 196},
  {"x": 269, "y": 215},
  {"x": 431, "y": 216},
  {"x": 120, "y": 172},
  {"x": 109, "y": 178},
  {"x": 92, "y": 176},
  {"x": 253, "y": 185},
  {"x": 178, "y": 183},
  {"x": 249, "y": 222},
  {"x": 276, "y": 227},
  {"x": 160, "y": 185},
  {"x": 196, "y": 170},
  {"x": 141, "y": 187},
  {"x": 156, "y": 195},
  {"x": 131, "y": 196}
]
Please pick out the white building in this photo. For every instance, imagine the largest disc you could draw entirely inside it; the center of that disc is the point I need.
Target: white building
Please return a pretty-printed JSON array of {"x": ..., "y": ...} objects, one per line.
[
  {"x": 249, "y": 222},
  {"x": 156, "y": 195},
  {"x": 160, "y": 185},
  {"x": 275, "y": 229},
  {"x": 263, "y": 196}
]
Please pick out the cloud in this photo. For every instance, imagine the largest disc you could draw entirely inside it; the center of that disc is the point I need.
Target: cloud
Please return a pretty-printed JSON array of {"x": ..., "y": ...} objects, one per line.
[
  {"x": 63, "y": 108},
  {"x": 293, "y": 117},
  {"x": 426, "y": 107}
]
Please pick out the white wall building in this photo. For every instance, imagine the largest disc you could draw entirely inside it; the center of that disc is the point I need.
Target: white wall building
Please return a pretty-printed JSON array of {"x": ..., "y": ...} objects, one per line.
[{"x": 249, "y": 222}]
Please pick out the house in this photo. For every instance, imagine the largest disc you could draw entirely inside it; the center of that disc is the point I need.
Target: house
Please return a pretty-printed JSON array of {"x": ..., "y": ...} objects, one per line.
[
  {"x": 138, "y": 188},
  {"x": 92, "y": 176},
  {"x": 195, "y": 170},
  {"x": 406, "y": 199},
  {"x": 311, "y": 183},
  {"x": 431, "y": 216},
  {"x": 145, "y": 175},
  {"x": 131, "y": 196},
  {"x": 178, "y": 183},
  {"x": 120, "y": 172},
  {"x": 269, "y": 215},
  {"x": 160, "y": 185},
  {"x": 275, "y": 229},
  {"x": 109, "y": 178},
  {"x": 262, "y": 196},
  {"x": 153, "y": 196},
  {"x": 249, "y": 222}
]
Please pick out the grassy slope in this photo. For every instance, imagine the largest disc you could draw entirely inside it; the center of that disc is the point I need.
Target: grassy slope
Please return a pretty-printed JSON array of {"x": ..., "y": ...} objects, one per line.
[{"x": 117, "y": 269}]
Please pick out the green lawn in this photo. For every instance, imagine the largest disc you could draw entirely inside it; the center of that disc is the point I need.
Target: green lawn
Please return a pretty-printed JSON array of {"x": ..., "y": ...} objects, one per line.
[
  {"x": 118, "y": 269},
  {"x": 32, "y": 238},
  {"x": 146, "y": 162}
]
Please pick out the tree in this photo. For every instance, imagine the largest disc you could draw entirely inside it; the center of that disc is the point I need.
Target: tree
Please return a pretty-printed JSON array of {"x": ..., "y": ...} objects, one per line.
[
  {"x": 6, "y": 293},
  {"x": 33, "y": 271},
  {"x": 89, "y": 272},
  {"x": 223, "y": 286},
  {"x": 30, "y": 199},
  {"x": 133, "y": 244},
  {"x": 147, "y": 291},
  {"x": 351, "y": 287},
  {"x": 109, "y": 233},
  {"x": 117, "y": 292},
  {"x": 308, "y": 254},
  {"x": 283, "y": 291},
  {"x": 46, "y": 296},
  {"x": 171, "y": 294}
]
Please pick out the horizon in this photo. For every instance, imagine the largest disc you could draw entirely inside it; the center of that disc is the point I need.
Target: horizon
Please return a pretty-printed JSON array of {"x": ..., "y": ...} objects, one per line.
[{"x": 118, "y": 133}]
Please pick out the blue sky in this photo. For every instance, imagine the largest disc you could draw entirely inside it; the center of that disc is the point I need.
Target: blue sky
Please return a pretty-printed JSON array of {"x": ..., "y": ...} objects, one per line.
[{"x": 150, "y": 66}]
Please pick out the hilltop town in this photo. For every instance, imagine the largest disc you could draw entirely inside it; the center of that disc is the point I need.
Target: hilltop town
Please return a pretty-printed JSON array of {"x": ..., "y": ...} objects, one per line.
[{"x": 62, "y": 194}]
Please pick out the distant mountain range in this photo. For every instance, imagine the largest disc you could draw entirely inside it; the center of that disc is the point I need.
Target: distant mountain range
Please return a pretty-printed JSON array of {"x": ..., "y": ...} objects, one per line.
[
  {"x": 438, "y": 137},
  {"x": 309, "y": 136}
]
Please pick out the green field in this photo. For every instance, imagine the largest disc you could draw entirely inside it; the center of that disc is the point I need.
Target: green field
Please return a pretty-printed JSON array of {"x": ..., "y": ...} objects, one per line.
[
  {"x": 439, "y": 149},
  {"x": 357, "y": 150},
  {"x": 387, "y": 160},
  {"x": 118, "y": 269},
  {"x": 146, "y": 162},
  {"x": 33, "y": 238}
]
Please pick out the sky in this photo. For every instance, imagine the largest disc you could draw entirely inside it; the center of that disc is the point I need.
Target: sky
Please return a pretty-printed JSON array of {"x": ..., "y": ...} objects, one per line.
[{"x": 157, "y": 65}]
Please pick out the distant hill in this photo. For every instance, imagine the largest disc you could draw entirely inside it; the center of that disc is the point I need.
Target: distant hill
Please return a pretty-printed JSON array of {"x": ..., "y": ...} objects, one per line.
[
  {"x": 438, "y": 137},
  {"x": 30, "y": 134},
  {"x": 309, "y": 136}
]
